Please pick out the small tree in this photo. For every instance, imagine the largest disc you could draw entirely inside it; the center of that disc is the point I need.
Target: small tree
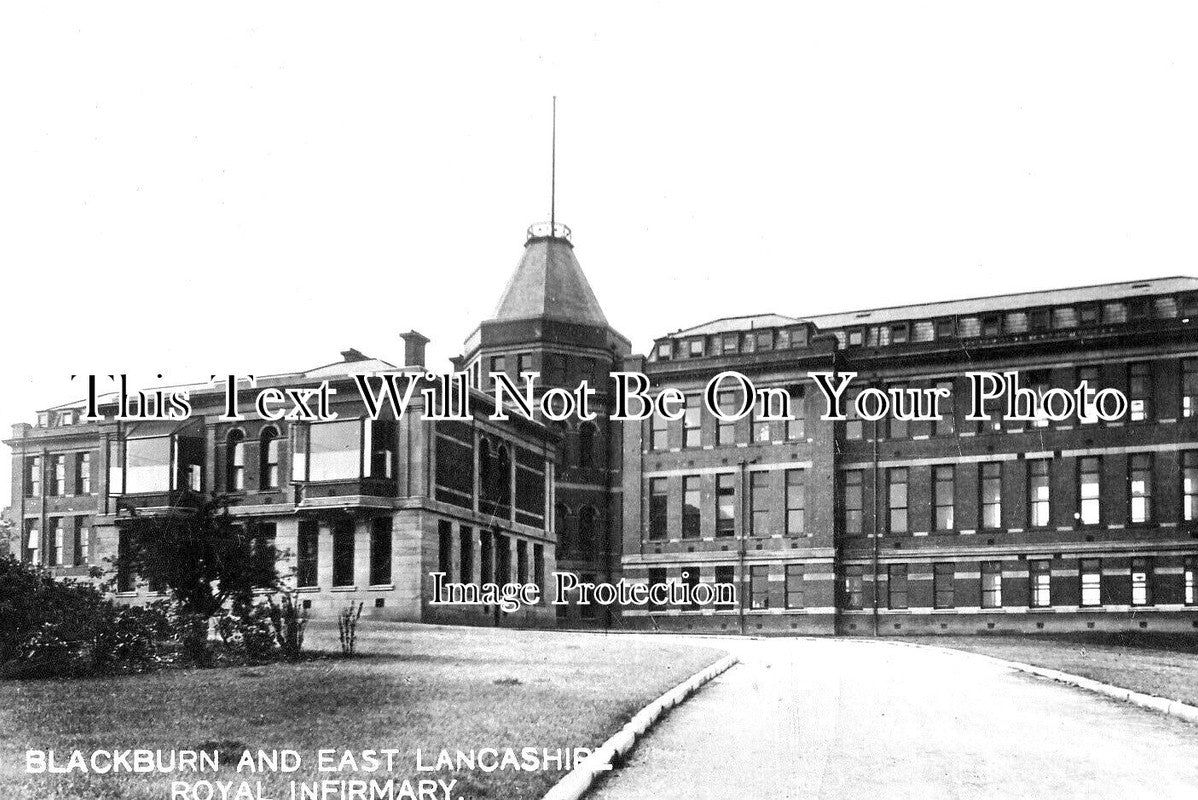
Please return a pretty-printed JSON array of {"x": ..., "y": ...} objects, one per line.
[{"x": 205, "y": 560}]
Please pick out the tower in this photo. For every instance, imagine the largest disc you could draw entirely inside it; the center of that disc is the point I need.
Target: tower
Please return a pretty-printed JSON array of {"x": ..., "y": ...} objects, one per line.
[{"x": 549, "y": 321}]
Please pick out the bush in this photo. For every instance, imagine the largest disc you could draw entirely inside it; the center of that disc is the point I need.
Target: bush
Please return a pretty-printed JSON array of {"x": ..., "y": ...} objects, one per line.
[{"x": 54, "y": 627}]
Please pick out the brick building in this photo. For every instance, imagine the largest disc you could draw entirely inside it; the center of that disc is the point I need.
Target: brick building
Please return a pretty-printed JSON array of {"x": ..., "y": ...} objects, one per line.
[
  {"x": 825, "y": 527},
  {"x": 895, "y": 527}
]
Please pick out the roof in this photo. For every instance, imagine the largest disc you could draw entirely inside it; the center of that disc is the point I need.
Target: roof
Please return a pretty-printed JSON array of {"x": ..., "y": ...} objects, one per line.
[
  {"x": 549, "y": 284},
  {"x": 338, "y": 369},
  {"x": 1005, "y": 302},
  {"x": 727, "y": 324}
]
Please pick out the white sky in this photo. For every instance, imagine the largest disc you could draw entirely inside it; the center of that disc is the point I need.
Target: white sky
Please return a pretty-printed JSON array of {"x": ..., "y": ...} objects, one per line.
[{"x": 255, "y": 187}]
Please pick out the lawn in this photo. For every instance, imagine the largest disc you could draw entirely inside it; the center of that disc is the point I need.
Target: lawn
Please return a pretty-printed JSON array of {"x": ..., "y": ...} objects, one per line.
[
  {"x": 413, "y": 687},
  {"x": 1163, "y": 665}
]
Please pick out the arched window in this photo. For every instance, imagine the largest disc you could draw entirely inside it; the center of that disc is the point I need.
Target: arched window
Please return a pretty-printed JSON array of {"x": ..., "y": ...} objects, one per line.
[
  {"x": 484, "y": 468},
  {"x": 503, "y": 476},
  {"x": 586, "y": 445},
  {"x": 235, "y": 462},
  {"x": 561, "y": 526},
  {"x": 587, "y": 530},
  {"x": 268, "y": 457}
]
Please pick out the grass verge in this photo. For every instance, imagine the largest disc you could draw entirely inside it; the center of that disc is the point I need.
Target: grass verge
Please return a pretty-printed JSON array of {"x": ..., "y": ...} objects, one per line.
[
  {"x": 414, "y": 687},
  {"x": 1159, "y": 664}
]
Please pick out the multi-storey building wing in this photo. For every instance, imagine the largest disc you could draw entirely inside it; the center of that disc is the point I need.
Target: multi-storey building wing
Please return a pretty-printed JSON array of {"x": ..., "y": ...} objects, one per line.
[
  {"x": 362, "y": 509},
  {"x": 896, "y": 527}
]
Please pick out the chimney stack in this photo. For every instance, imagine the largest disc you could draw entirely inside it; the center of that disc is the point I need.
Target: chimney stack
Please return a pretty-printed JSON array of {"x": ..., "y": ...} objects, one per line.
[{"x": 413, "y": 348}]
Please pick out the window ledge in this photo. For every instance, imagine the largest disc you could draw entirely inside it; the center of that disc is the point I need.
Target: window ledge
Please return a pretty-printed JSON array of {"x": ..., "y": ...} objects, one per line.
[
  {"x": 343, "y": 589},
  {"x": 381, "y": 587}
]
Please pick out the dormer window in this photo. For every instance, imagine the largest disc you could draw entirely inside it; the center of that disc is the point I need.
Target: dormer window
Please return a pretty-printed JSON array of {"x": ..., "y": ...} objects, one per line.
[
  {"x": 1088, "y": 315},
  {"x": 663, "y": 351},
  {"x": 1041, "y": 319},
  {"x": 1114, "y": 313},
  {"x": 1137, "y": 310},
  {"x": 765, "y": 340},
  {"x": 898, "y": 334},
  {"x": 731, "y": 342},
  {"x": 695, "y": 348},
  {"x": 798, "y": 337},
  {"x": 856, "y": 337},
  {"x": 784, "y": 339},
  {"x": 992, "y": 325}
]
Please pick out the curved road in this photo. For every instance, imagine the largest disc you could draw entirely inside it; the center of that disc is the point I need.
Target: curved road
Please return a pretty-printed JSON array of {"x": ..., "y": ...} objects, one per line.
[{"x": 851, "y": 718}]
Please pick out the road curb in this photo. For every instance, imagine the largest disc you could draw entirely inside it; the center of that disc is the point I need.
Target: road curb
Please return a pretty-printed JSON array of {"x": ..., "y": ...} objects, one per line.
[
  {"x": 1173, "y": 708},
  {"x": 579, "y": 780}
]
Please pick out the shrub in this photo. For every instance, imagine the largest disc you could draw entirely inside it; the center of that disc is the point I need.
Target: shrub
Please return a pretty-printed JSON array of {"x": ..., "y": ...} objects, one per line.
[
  {"x": 347, "y": 627},
  {"x": 54, "y": 627}
]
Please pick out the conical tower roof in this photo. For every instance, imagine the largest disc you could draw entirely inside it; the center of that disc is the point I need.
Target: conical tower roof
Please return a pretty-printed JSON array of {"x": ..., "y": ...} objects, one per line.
[{"x": 549, "y": 283}]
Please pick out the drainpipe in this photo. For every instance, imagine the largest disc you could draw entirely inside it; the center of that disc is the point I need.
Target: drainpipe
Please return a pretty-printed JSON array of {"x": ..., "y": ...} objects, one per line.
[
  {"x": 877, "y": 527},
  {"x": 744, "y": 528}
]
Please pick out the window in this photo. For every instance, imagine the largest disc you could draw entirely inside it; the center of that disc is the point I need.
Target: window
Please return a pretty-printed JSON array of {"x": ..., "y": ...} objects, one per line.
[
  {"x": 945, "y": 329},
  {"x": 60, "y": 535},
  {"x": 731, "y": 342},
  {"x": 854, "y": 426},
  {"x": 235, "y": 458},
  {"x": 991, "y": 584},
  {"x": 1040, "y": 319},
  {"x": 797, "y": 424},
  {"x": 586, "y": 445},
  {"x": 308, "y": 547},
  {"x": 854, "y": 588},
  {"x": 896, "y": 586},
  {"x": 268, "y": 458},
  {"x": 725, "y": 432},
  {"x": 125, "y": 579},
  {"x": 1189, "y": 485},
  {"x": 1191, "y": 580},
  {"x": 1088, "y": 315},
  {"x": 990, "y": 484},
  {"x": 1139, "y": 477},
  {"x": 498, "y": 364},
  {"x": 690, "y": 506},
  {"x": 1092, "y": 377},
  {"x": 1139, "y": 390},
  {"x": 1089, "y": 490},
  {"x": 726, "y": 575},
  {"x": 521, "y": 562},
  {"x": 1040, "y": 382},
  {"x": 945, "y": 479},
  {"x": 538, "y": 564},
  {"x": 1189, "y": 387},
  {"x": 343, "y": 553},
  {"x": 32, "y": 538},
  {"x": 380, "y": 552},
  {"x": 991, "y": 325},
  {"x": 760, "y": 428},
  {"x": 658, "y": 508},
  {"x": 83, "y": 473},
  {"x": 794, "y": 585},
  {"x": 942, "y": 585},
  {"x": 695, "y": 348},
  {"x": 1040, "y": 583},
  {"x": 659, "y": 433},
  {"x": 33, "y": 476},
  {"x": 656, "y": 576},
  {"x": 759, "y": 501},
  {"x": 555, "y": 369},
  {"x": 898, "y": 334},
  {"x": 664, "y": 349},
  {"x": 692, "y": 430},
  {"x": 853, "y": 501},
  {"x": 896, "y": 428},
  {"x": 1091, "y": 581},
  {"x": 947, "y": 424},
  {"x": 335, "y": 450},
  {"x": 1113, "y": 313},
  {"x": 561, "y": 526},
  {"x": 83, "y": 543},
  {"x": 896, "y": 498},
  {"x": 1141, "y": 581},
  {"x": 765, "y": 340},
  {"x": 796, "y": 495},
  {"x": 466, "y": 555},
  {"x": 523, "y": 363},
  {"x": 725, "y": 504},
  {"x": 58, "y": 473},
  {"x": 1038, "y": 493},
  {"x": 759, "y": 587},
  {"x": 588, "y": 530}
]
